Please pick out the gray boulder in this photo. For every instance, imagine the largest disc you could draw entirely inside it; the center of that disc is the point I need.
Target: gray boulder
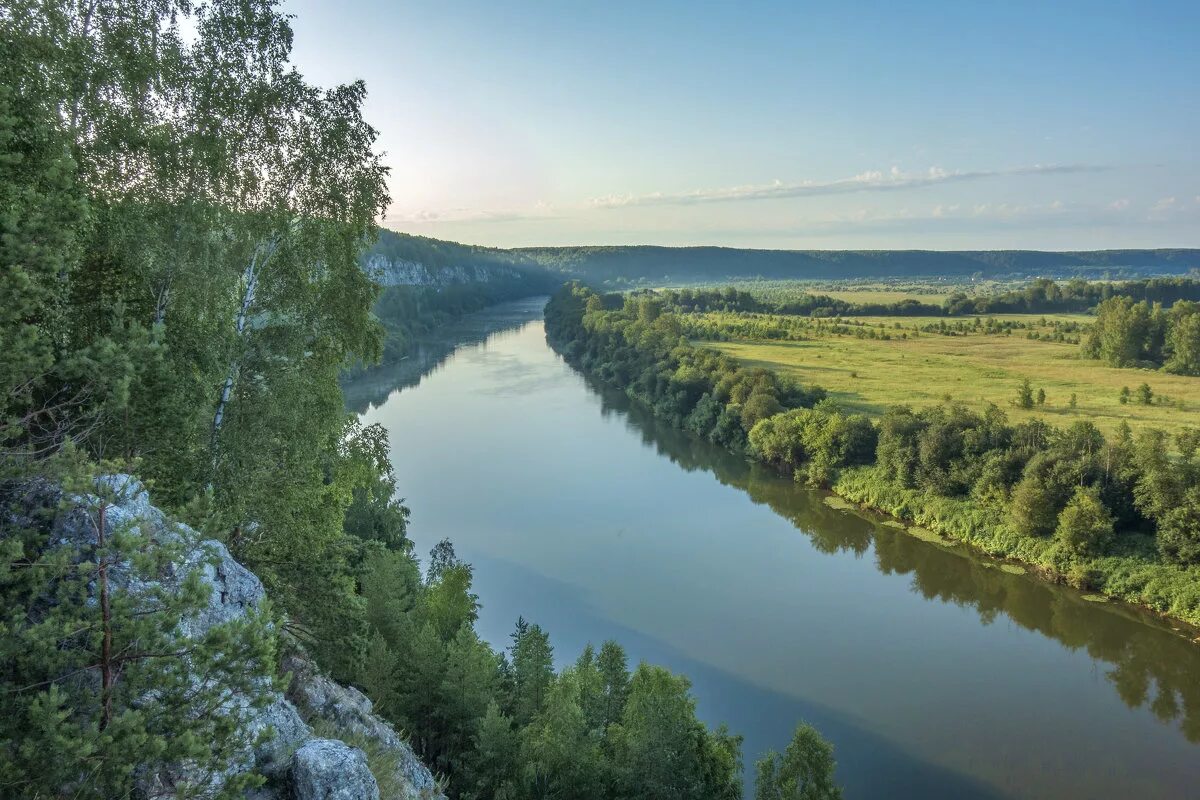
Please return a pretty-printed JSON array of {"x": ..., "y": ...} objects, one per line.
[
  {"x": 326, "y": 769},
  {"x": 297, "y": 765},
  {"x": 347, "y": 709}
]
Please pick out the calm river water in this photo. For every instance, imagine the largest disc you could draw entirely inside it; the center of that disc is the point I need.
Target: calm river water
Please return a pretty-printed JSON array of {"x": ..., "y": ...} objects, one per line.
[{"x": 934, "y": 673}]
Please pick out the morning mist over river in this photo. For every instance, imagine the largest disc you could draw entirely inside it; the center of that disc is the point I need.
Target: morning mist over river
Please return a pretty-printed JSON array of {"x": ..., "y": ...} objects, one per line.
[{"x": 933, "y": 672}]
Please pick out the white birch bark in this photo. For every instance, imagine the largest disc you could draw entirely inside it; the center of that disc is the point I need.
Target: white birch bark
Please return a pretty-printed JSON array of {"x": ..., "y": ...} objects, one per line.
[{"x": 262, "y": 254}]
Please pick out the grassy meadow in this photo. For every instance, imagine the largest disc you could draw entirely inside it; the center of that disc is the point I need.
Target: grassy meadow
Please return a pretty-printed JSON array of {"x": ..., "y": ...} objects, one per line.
[{"x": 867, "y": 375}]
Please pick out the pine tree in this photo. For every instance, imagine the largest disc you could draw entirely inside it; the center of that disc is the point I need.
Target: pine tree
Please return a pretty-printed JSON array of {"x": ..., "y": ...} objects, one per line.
[
  {"x": 491, "y": 771},
  {"x": 102, "y": 685},
  {"x": 532, "y": 660},
  {"x": 467, "y": 687}
]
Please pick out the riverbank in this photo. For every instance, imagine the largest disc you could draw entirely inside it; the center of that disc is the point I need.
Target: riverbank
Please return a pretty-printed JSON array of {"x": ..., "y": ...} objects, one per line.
[
  {"x": 777, "y": 606},
  {"x": 922, "y": 516},
  {"x": 642, "y": 353}
]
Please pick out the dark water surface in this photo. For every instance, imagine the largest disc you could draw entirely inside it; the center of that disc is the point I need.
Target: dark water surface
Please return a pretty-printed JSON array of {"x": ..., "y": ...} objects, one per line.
[{"x": 934, "y": 673}]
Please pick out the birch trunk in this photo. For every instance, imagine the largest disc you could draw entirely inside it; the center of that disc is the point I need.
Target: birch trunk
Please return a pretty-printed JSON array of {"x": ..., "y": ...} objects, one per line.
[{"x": 262, "y": 255}]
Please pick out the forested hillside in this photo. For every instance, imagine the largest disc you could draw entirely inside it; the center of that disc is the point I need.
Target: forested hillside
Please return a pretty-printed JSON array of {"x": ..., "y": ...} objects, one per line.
[
  {"x": 427, "y": 283},
  {"x": 647, "y": 263},
  {"x": 686, "y": 264}
]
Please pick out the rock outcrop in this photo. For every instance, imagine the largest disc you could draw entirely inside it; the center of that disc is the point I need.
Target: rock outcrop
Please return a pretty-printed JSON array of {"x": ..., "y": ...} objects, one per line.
[
  {"x": 326, "y": 769},
  {"x": 401, "y": 272},
  {"x": 297, "y": 763}
]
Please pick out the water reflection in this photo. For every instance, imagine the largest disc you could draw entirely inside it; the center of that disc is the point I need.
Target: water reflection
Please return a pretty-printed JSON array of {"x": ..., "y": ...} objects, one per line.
[
  {"x": 1151, "y": 664},
  {"x": 935, "y": 674},
  {"x": 428, "y": 353}
]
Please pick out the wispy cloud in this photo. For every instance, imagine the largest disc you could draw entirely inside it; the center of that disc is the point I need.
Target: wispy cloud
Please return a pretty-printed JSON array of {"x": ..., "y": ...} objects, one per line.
[
  {"x": 873, "y": 181},
  {"x": 541, "y": 211},
  {"x": 982, "y": 217}
]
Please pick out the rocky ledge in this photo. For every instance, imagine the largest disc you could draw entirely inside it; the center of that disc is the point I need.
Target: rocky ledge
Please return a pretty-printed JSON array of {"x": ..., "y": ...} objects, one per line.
[{"x": 298, "y": 764}]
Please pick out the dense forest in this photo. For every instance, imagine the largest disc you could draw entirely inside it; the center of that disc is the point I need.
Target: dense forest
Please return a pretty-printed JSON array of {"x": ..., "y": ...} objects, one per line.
[
  {"x": 623, "y": 265},
  {"x": 182, "y": 217},
  {"x": 1114, "y": 514}
]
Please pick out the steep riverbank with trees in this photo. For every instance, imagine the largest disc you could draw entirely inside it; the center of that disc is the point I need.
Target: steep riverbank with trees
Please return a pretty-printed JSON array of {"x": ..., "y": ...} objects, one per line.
[
  {"x": 1112, "y": 515},
  {"x": 181, "y": 221},
  {"x": 427, "y": 283}
]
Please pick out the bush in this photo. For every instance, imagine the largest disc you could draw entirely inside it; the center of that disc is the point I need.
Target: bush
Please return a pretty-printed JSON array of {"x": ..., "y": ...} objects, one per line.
[{"x": 1085, "y": 525}]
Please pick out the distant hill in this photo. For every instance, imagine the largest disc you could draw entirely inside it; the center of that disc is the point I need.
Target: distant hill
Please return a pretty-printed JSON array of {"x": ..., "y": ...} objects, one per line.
[
  {"x": 637, "y": 263},
  {"x": 399, "y": 259}
]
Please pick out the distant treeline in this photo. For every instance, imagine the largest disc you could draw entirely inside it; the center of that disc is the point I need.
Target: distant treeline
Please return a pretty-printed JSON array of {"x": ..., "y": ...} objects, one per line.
[
  {"x": 1045, "y": 296},
  {"x": 1111, "y": 514},
  {"x": 799, "y": 303},
  {"x": 720, "y": 263},
  {"x": 642, "y": 263},
  {"x": 1042, "y": 296}
]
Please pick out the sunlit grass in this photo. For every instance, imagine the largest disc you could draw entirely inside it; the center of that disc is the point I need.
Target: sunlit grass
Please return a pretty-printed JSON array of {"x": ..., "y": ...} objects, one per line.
[{"x": 867, "y": 376}]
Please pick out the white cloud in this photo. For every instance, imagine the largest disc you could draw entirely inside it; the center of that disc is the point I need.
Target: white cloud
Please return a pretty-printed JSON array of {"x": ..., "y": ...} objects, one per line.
[{"x": 871, "y": 181}]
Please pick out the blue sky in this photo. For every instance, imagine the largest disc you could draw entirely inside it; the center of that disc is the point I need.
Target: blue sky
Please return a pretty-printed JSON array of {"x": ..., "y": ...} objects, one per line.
[{"x": 768, "y": 124}]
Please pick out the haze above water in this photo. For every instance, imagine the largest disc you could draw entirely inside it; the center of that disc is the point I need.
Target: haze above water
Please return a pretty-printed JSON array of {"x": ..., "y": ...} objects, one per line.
[{"x": 934, "y": 673}]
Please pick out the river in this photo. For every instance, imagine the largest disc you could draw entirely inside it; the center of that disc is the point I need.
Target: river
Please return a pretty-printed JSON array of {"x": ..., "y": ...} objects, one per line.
[{"x": 934, "y": 673}]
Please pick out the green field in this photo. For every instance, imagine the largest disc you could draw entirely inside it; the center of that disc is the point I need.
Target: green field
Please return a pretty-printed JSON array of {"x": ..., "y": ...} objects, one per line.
[
  {"x": 1034, "y": 320},
  {"x": 867, "y": 375}
]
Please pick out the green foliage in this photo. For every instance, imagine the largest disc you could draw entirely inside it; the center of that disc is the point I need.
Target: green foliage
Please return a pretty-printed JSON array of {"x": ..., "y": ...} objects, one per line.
[
  {"x": 661, "y": 751},
  {"x": 822, "y": 439},
  {"x": 181, "y": 217},
  {"x": 1128, "y": 334},
  {"x": 506, "y": 725},
  {"x": 532, "y": 670},
  {"x": 1035, "y": 501},
  {"x": 1183, "y": 339},
  {"x": 493, "y": 764},
  {"x": 560, "y": 758},
  {"x": 99, "y": 682},
  {"x": 1125, "y": 515},
  {"x": 805, "y": 771},
  {"x": 640, "y": 348},
  {"x": 1084, "y": 525},
  {"x": 1025, "y": 395}
]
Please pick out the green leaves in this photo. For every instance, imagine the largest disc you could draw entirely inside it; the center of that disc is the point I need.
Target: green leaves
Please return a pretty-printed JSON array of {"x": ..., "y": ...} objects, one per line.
[
  {"x": 805, "y": 771},
  {"x": 101, "y": 684}
]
